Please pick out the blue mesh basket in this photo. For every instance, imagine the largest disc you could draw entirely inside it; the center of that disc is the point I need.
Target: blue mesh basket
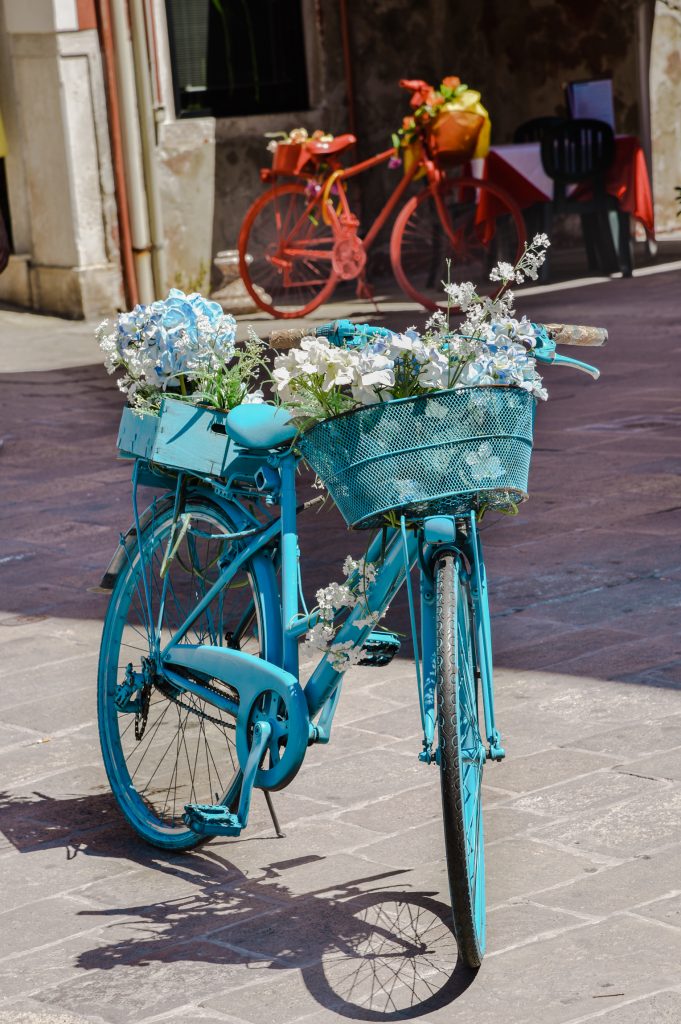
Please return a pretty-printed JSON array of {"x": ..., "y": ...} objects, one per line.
[{"x": 444, "y": 453}]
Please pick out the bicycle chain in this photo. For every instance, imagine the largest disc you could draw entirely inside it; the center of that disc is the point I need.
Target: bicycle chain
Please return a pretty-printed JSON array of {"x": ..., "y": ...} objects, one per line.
[{"x": 195, "y": 711}]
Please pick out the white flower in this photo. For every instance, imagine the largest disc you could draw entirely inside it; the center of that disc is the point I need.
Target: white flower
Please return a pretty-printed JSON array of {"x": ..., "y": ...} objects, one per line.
[
  {"x": 503, "y": 272},
  {"x": 461, "y": 295}
]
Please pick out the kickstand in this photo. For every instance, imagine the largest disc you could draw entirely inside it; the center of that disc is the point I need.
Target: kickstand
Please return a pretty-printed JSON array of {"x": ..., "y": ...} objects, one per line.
[{"x": 273, "y": 814}]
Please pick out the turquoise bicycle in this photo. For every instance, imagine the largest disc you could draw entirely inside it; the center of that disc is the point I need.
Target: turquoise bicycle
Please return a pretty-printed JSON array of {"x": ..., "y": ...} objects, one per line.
[{"x": 199, "y": 692}]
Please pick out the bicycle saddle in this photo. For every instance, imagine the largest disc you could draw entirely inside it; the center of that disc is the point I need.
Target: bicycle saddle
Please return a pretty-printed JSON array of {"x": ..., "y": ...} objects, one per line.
[
  {"x": 337, "y": 145},
  {"x": 260, "y": 426}
]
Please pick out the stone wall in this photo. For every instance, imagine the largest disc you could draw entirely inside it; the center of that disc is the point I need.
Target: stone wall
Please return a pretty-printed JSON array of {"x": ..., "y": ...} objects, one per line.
[
  {"x": 517, "y": 55},
  {"x": 665, "y": 102}
]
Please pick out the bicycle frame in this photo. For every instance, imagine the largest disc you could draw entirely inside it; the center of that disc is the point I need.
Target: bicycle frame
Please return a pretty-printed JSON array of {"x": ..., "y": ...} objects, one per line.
[
  {"x": 434, "y": 178},
  {"x": 392, "y": 553}
]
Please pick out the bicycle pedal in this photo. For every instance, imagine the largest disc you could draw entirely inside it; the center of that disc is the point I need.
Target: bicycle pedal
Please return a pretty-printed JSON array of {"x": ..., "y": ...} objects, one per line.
[
  {"x": 211, "y": 820},
  {"x": 379, "y": 649}
]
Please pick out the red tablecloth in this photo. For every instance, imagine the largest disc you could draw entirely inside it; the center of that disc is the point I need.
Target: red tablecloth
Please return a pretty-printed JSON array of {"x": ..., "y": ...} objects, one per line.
[{"x": 627, "y": 180}]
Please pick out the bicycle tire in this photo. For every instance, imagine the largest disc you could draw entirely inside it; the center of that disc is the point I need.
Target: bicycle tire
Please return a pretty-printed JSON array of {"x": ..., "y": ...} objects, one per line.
[
  {"x": 422, "y": 241},
  {"x": 264, "y": 260},
  {"x": 192, "y": 739},
  {"x": 461, "y": 757}
]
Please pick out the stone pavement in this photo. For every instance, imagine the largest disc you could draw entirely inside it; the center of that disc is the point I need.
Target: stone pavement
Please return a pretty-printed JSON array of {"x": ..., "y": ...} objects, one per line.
[{"x": 347, "y": 916}]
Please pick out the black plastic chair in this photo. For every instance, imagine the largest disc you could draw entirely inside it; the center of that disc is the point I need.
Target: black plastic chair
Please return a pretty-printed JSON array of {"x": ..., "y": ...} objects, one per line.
[
  {"x": 580, "y": 152},
  {"x": 536, "y": 129}
]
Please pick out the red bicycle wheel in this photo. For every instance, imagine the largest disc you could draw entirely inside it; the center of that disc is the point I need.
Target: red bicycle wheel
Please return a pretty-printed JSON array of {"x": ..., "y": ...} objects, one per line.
[
  {"x": 470, "y": 222},
  {"x": 285, "y": 250}
]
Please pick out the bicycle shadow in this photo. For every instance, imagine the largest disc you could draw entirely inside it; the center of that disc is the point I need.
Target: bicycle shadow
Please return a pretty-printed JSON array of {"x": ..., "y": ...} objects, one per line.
[{"x": 366, "y": 949}]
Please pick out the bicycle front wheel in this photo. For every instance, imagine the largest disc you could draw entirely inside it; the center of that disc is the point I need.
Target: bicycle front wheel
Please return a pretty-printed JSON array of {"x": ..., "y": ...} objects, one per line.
[
  {"x": 470, "y": 222},
  {"x": 285, "y": 250},
  {"x": 164, "y": 747},
  {"x": 462, "y": 755}
]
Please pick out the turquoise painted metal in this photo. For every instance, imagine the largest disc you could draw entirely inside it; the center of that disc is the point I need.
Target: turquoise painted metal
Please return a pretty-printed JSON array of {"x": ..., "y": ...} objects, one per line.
[{"x": 199, "y": 694}]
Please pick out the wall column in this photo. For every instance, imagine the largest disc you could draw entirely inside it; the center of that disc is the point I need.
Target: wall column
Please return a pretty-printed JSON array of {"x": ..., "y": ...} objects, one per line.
[{"x": 60, "y": 129}]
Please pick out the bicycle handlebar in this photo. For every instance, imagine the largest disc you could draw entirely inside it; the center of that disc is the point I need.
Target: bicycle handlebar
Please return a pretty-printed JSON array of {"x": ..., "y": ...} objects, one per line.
[
  {"x": 572, "y": 334},
  {"x": 340, "y": 331}
]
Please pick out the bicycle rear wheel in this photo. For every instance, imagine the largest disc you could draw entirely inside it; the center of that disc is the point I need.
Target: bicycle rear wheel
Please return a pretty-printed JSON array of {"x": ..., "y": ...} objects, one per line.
[
  {"x": 472, "y": 223},
  {"x": 164, "y": 747},
  {"x": 462, "y": 756},
  {"x": 285, "y": 250}
]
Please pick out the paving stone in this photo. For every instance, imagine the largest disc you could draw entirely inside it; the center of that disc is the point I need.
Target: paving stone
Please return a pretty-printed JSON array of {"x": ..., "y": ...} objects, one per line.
[
  {"x": 668, "y": 911},
  {"x": 340, "y": 873},
  {"x": 502, "y": 822},
  {"x": 630, "y": 741},
  {"x": 665, "y": 764},
  {"x": 661, "y": 1008},
  {"x": 317, "y": 838},
  {"x": 409, "y": 848},
  {"x": 520, "y": 867},
  {"x": 285, "y": 997},
  {"x": 127, "y": 993},
  {"x": 521, "y": 922},
  {"x": 193, "y": 1013},
  {"x": 608, "y": 889},
  {"x": 35, "y": 761},
  {"x": 582, "y": 795},
  {"x": 536, "y": 771},
  {"x": 394, "y": 813},
  {"x": 23, "y": 1016},
  {"x": 40, "y": 873},
  {"x": 345, "y": 739},
  {"x": 642, "y": 824},
  {"x": 554, "y": 651},
  {"x": 396, "y": 723},
  {"x": 605, "y": 959},
  {"x": 15, "y": 735},
  {"x": 383, "y": 771},
  {"x": 43, "y": 921}
]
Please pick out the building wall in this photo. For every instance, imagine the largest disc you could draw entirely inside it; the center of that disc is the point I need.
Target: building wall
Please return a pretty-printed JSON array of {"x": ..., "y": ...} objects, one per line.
[
  {"x": 665, "y": 101},
  {"x": 60, "y": 180},
  {"x": 517, "y": 55}
]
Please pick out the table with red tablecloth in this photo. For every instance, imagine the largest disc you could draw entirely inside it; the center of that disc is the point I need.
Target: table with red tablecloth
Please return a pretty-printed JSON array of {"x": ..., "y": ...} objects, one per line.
[{"x": 517, "y": 168}]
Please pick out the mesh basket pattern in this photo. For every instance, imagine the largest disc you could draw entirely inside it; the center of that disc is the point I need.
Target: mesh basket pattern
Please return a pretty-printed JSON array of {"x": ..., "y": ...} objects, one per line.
[{"x": 444, "y": 453}]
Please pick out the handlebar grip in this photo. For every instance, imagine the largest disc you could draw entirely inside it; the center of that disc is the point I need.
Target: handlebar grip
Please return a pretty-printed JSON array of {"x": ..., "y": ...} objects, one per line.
[
  {"x": 288, "y": 338},
  {"x": 572, "y": 334}
]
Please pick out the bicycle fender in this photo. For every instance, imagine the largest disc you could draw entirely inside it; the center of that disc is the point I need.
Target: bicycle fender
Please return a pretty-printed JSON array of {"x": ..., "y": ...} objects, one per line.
[{"x": 128, "y": 544}]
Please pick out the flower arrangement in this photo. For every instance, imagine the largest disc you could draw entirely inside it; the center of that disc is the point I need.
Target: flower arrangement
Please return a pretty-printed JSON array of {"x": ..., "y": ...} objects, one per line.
[
  {"x": 185, "y": 345},
  {"x": 431, "y": 108},
  {"x": 490, "y": 346},
  {"x": 297, "y": 136}
]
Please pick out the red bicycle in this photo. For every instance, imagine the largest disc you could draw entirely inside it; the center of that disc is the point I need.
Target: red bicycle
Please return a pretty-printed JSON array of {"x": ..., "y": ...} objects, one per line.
[{"x": 301, "y": 237}]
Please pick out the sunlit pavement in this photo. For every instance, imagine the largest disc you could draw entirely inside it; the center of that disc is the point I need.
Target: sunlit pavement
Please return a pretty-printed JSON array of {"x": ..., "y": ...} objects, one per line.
[{"x": 347, "y": 915}]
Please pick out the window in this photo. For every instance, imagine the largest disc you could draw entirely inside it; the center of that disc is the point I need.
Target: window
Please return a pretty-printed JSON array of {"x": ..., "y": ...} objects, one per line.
[{"x": 236, "y": 57}]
